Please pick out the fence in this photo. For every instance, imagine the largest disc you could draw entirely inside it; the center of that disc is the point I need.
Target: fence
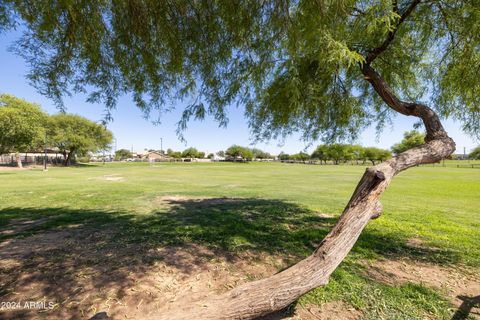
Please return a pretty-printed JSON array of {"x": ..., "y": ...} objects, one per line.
[{"x": 11, "y": 160}]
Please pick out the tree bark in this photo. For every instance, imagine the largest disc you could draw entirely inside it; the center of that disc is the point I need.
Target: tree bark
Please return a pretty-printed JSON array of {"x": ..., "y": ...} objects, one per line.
[
  {"x": 68, "y": 157},
  {"x": 19, "y": 160}
]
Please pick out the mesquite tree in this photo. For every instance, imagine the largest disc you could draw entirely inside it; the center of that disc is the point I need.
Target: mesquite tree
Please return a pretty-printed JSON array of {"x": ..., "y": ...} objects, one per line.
[
  {"x": 326, "y": 69},
  {"x": 75, "y": 135},
  {"x": 22, "y": 126}
]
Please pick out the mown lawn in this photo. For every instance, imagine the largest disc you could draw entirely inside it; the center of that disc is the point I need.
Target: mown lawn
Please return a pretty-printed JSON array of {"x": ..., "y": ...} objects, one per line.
[{"x": 283, "y": 209}]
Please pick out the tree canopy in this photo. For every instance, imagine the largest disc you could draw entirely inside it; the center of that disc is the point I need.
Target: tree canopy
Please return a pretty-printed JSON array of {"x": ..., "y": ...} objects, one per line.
[
  {"x": 74, "y": 134},
  {"x": 122, "y": 154},
  {"x": 237, "y": 151},
  {"x": 475, "y": 154},
  {"x": 296, "y": 66},
  {"x": 260, "y": 154},
  {"x": 410, "y": 139},
  {"x": 22, "y": 125},
  {"x": 190, "y": 153}
]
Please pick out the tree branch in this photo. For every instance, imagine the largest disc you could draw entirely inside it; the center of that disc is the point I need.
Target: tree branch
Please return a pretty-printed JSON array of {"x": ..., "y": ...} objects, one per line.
[
  {"x": 391, "y": 35},
  {"x": 430, "y": 119}
]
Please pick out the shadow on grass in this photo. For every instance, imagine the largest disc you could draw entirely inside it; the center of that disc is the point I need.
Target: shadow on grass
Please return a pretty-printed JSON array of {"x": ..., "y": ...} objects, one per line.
[
  {"x": 394, "y": 245},
  {"x": 95, "y": 249}
]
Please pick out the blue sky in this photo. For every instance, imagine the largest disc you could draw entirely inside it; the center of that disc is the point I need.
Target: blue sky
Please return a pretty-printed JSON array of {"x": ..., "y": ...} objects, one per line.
[{"x": 132, "y": 130}]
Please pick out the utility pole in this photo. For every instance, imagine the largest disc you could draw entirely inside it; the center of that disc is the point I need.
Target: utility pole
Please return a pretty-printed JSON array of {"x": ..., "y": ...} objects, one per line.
[
  {"x": 45, "y": 153},
  {"x": 161, "y": 145}
]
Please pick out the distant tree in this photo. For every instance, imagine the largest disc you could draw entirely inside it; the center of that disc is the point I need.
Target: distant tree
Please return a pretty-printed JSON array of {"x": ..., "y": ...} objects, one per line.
[
  {"x": 320, "y": 153},
  {"x": 384, "y": 155},
  {"x": 339, "y": 152},
  {"x": 475, "y": 154},
  {"x": 122, "y": 154},
  {"x": 373, "y": 154},
  {"x": 301, "y": 156},
  {"x": 411, "y": 139},
  {"x": 283, "y": 156},
  {"x": 21, "y": 125},
  {"x": 201, "y": 155},
  {"x": 221, "y": 153},
  {"x": 174, "y": 154},
  {"x": 73, "y": 134},
  {"x": 237, "y": 151},
  {"x": 260, "y": 154},
  {"x": 211, "y": 156},
  {"x": 190, "y": 153},
  {"x": 358, "y": 153}
]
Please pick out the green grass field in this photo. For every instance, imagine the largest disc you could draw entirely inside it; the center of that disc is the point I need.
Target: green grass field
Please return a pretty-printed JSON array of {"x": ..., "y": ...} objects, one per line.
[{"x": 284, "y": 210}]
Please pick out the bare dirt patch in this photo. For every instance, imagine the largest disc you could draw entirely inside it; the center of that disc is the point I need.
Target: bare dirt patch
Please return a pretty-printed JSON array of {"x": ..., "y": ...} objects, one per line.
[
  {"x": 83, "y": 272},
  {"x": 113, "y": 177},
  {"x": 461, "y": 286},
  {"x": 335, "y": 310}
]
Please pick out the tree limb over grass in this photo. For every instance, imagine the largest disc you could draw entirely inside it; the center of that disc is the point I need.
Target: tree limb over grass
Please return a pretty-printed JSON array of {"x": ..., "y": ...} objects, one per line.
[{"x": 306, "y": 67}]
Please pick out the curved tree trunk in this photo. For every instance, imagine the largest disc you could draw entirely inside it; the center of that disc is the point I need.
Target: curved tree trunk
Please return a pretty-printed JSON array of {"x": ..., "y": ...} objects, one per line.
[{"x": 262, "y": 297}]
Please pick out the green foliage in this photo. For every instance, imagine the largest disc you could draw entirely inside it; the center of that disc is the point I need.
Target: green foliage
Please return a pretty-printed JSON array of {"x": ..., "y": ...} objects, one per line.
[
  {"x": 284, "y": 156},
  {"x": 301, "y": 156},
  {"x": 294, "y": 65},
  {"x": 475, "y": 154},
  {"x": 410, "y": 140},
  {"x": 84, "y": 159},
  {"x": 190, "y": 153},
  {"x": 260, "y": 154},
  {"x": 345, "y": 152},
  {"x": 122, "y": 154},
  {"x": 22, "y": 125},
  {"x": 239, "y": 152},
  {"x": 73, "y": 134},
  {"x": 174, "y": 154},
  {"x": 375, "y": 154},
  {"x": 320, "y": 153},
  {"x": 338, "y": 152}
]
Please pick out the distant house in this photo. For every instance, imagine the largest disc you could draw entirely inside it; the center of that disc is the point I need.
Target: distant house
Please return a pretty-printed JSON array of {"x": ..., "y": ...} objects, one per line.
[
  {"x": 139, "y": 154},
  {"x": 156, "y": 156}
]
